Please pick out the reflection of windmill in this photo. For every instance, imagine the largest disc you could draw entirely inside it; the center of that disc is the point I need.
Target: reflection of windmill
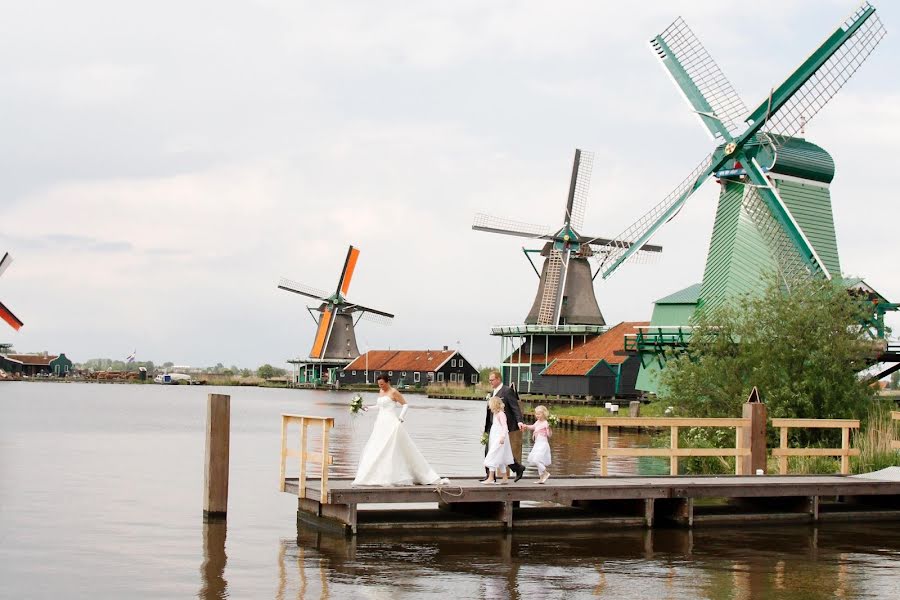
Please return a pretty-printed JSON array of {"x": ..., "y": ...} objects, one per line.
[
  {"x": 565, "y": 293},
  {"x": 5, "y": 313},
  {"x": 774, "y": 208},
  {"x": 774, "y": 212},
  {"x": 335, "y": 341}
]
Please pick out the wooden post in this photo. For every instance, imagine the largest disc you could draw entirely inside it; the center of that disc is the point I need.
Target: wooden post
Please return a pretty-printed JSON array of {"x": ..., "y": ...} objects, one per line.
[
  {"x": 604, "y": 444},
  {"x": 215, "y": 472},
  {"x": 754, "y": 437},
  {"x": 845, "y": 450},
  {"x": 634, "y": 408},
  {"x": 673, "y": 460},
  {"x": 783, "y": 460}
]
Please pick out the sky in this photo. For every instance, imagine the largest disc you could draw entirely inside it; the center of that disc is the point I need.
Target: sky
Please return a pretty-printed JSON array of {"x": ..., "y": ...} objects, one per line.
[{"x": 164, "y": 164}]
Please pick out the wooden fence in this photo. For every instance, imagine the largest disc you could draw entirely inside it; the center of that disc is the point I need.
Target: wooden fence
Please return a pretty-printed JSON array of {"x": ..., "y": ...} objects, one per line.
[
  {"x": 322, "y": 458},
  {"x": 895, "y": 416},
  {"x": 673, "y": 452},
  {"x": 845, "y": 451}
]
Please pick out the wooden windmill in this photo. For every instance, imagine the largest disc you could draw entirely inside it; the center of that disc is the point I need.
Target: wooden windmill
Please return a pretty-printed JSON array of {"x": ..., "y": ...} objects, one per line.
[
  {"x": 336, "y": 316},
  {"x": 774, "y": 211},
  {"x": 6, "y": 314},
  {"x": 565, "y": 294}
]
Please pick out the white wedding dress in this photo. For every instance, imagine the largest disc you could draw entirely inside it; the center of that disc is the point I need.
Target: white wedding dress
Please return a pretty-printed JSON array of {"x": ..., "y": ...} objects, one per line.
[{"x": 390, "y": 457}]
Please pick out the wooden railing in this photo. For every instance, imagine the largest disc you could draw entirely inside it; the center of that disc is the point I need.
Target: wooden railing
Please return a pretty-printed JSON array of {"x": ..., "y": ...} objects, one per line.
[
  {"x": 895, "y": 416},
  {"x": 322, "y": 458},
  {"x": 673, "y": 451},
  {"x": 845, "y": 451}
]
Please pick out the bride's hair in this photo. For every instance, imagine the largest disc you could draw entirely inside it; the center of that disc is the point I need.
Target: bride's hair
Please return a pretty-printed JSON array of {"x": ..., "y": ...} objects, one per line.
[{"x": 384, "y": 378}]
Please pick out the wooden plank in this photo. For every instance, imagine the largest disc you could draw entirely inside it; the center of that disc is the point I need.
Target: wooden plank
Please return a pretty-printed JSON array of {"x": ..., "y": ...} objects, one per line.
[
  {"x": 816, "y": 423},
  {"x": 284, "y": 425},
  {"x": 673, "y": 446},
  {"x": 679, "y": 452},
  {"x": 895, "y": 415},
  {"x": 293, "y": 417},
  {"x": 845, "y": 448},
  {"x": 815, "y": 452},
  {"x": 310, "y": 458},
  {"x": 669, "y": 422},
  {"x": 782, "y": 460},
  {"x": 323, "y": 461},
  {"x": 604, "y": 446},
  {"x": 301, "y": 485}
]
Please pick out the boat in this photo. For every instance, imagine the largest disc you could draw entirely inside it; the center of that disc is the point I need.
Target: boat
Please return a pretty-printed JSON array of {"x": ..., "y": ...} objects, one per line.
[{"x": 171, "y": 378}]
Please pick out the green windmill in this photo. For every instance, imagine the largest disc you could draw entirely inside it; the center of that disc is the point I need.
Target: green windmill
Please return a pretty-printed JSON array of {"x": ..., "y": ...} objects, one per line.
[{"x": 774, "y": 211}]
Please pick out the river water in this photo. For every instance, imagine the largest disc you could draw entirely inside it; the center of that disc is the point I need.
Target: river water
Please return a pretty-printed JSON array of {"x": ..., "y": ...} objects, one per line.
[{"x": 100, "y": 497}]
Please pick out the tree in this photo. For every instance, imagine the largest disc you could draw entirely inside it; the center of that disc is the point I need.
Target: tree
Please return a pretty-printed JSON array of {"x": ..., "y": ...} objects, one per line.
[
  {"x": 802, "y": 349},
  {"x": 267, "y": 371},
  {"x": 895, "y": 380}
]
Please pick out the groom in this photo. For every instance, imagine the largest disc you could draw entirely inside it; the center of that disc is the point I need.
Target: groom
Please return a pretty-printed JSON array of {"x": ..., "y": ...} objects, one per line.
[{"x": 513, "y": 421}]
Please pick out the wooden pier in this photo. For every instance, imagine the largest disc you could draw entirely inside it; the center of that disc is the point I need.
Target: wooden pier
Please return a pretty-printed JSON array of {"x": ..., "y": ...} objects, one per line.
[{"x": 584, "y": 502}]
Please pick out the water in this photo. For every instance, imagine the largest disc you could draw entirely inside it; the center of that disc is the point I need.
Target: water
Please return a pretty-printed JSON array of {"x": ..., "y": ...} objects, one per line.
[{"x": 100, "y": 497}]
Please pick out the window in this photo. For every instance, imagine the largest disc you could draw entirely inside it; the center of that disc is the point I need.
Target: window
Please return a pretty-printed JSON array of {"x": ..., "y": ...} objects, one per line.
[
  {"x": 416, "y": 377},
  {"x": 453, "y": 377},
  {"x": 354, "y": 372},
  {"x": 452, "y": 362},
  {"x": 459, "y": 363},
  {"x": 440, "y": 376},
  {"x": 474, "y": 378},
  {"x": 390, "y": 373},
  {"x": 403, "y": 374},
  {"x": 430, "y": 376},
  {"x": 342, "y": 374}
]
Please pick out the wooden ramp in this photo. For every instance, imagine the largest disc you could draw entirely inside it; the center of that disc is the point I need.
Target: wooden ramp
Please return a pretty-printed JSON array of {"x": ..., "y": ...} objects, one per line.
[{"x": 584, "y": 502}]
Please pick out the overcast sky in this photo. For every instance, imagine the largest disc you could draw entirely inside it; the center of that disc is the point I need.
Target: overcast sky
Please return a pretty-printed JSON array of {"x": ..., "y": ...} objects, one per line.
[{"x": 165, "y": 163}]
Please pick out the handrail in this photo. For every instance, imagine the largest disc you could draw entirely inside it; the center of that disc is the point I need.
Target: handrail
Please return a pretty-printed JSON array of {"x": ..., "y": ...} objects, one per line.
[
  {"x": 845, "y": 451},
  {"x": 673, "y": 451},
  {"x": 323, "y": 458},
  {"x": 895, "y": 416}
]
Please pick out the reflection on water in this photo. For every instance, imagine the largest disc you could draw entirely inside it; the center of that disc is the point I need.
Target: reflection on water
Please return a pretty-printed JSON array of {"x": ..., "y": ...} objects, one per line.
[
  {"x": 101, "y": 487},
  {"x": 214, "y": 558},
  {"x": 840, "y": 561}
]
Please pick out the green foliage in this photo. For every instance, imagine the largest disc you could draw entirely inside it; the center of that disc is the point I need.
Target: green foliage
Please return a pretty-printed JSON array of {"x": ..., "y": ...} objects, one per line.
[
  {"x": 802, "y": 350},
  {"x": 874, "y": 441},
  {"x": 267, "y": 371},
  {"x": 895, "y": 380}
]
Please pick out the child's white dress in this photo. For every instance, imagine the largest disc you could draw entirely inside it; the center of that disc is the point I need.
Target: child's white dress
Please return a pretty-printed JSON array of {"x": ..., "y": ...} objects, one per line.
[
  {"x": 540, "y": 451},
  {"x": 498, "y": 455}
]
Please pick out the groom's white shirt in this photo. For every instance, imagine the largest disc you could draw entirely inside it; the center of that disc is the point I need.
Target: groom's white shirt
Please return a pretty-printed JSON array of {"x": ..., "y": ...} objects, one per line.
[{"x": 497, "y": 389}]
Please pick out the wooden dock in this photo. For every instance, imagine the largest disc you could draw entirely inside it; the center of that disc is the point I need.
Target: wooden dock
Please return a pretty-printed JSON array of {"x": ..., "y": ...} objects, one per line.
[{"x": 585, "y": 502}]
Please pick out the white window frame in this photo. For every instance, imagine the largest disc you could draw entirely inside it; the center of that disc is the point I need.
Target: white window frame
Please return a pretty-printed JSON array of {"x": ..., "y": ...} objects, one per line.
[
  {"x": 343, "y": 374},
  {"x": 452, "y": 362},
  {"x": 474, "y": 378},
  {"x": 403, "y": 374},
  {"x": 390, "y": 373},
  {"x": 440, "y": 377},
  {"x": 459, "y": 363},
  {"x": 430, "y": 376},
  {"x": 417, "y": 377},
  {"x": 354, "y": 372},
  {"x": 452, "y": 377}
]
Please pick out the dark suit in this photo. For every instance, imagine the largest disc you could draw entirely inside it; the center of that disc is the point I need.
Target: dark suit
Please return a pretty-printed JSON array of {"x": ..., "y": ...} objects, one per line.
[{"x": 513, "y": 418}]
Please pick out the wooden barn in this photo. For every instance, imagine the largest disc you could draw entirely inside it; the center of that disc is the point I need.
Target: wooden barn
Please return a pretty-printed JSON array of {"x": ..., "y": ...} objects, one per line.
[
  {"x": 595, "y": 365},
  {"x": 36, "y": 365},
  {"x": 411, "y": 367}
]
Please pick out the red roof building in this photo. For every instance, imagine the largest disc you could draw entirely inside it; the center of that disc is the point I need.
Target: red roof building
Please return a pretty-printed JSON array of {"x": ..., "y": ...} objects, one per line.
[{"x": 411, "y": 367}]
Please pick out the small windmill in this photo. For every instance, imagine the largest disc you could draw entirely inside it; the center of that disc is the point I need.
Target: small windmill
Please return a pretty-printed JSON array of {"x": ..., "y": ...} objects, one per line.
[
  {"x": 761, "y": 221},
  {"x": 5, "y": 313},
  {"x": 565, "y": 293},
  {"x": 337, "y": 316}
]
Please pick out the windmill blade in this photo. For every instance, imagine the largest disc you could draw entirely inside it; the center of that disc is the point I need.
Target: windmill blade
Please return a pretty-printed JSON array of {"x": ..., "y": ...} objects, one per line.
[
  {"x": 646, "y": 255},
  {"x": 794, "y": 252},
  {"x": 547, "y": 312},
  {"x": 579, "y": 186},
  {"x": 700, "y": 80},
  {"x": 323, "y": 332},
  {"x": 597, "y": 244},
  {"x": 299, "y": 288},
  {"x": 347, "y": 271},
  {"x": 352, "y": 306},
  {"x": 809, "y": 88},
  {"x": 492, "y": 224},
  {"x": 377, "y": 318},
  {"x": 5, "y": 262},
  {"x": 10, "y": 318},
  {"x": 617, "y": 251}
]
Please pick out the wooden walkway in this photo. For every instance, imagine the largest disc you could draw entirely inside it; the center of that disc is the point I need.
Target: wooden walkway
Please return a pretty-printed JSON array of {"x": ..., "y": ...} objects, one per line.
[{"x": 583, "y": 502}]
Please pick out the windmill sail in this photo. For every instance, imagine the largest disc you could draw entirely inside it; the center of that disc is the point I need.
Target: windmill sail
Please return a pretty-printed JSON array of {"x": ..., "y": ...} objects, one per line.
[
  {"x": 578, "y": 189},
  {"x": 492, "y": 224},
  {"x": 347, "y": 271},
  {"x": 701, "y": 81},
  {"x": 6, "y": 314}
]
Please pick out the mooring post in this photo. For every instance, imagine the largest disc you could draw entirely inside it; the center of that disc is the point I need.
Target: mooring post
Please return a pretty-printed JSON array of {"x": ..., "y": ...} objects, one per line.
[
  {"x": 215, "y": 466},
  {"x": 754, "y": 436}
]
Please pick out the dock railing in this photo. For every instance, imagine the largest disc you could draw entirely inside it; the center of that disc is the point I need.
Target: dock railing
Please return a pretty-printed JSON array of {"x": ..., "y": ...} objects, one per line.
[
  {"x": 895, "y": 416},
  {"x": 322, "y": 457},
  {"x": 673, "y": 452},
  {"x": 845, "y": 451}
]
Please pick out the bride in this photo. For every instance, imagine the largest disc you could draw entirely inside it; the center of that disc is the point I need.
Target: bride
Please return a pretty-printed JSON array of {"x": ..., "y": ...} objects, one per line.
[{"x": 390, "y": 457}]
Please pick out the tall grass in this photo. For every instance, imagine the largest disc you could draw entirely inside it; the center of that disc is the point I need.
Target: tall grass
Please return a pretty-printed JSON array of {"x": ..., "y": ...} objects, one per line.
[{"x": 874, "y": 441}]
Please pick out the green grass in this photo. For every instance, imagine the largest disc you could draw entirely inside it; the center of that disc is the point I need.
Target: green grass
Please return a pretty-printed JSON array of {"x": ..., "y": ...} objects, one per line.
[
  {"x": 874, "y": 441},
  {"x": 654, "y": 409}
]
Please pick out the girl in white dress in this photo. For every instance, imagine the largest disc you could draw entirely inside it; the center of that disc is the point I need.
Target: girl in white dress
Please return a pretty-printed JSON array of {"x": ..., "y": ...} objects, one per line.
[
  {"x": 499, "y": 455},
  {"x": 540, "y": 435},
  {"x": 390, "y": 457}
]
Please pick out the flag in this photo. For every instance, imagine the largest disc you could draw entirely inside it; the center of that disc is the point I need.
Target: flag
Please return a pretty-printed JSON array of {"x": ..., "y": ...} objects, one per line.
[{"x": 130, "y": 357}]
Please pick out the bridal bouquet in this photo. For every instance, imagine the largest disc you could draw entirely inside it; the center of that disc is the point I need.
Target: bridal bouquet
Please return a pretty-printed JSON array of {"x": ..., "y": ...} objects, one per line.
[
  {"x": 356, "y": 404},
  {"x": 484, "y": 438},
  {"x": 553, "y": 420}
]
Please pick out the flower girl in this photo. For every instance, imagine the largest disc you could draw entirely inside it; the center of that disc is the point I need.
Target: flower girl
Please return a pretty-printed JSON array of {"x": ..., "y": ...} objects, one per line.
[
  {"x": 499, "y": 454},
  {"x": 540, "y": 451}
]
